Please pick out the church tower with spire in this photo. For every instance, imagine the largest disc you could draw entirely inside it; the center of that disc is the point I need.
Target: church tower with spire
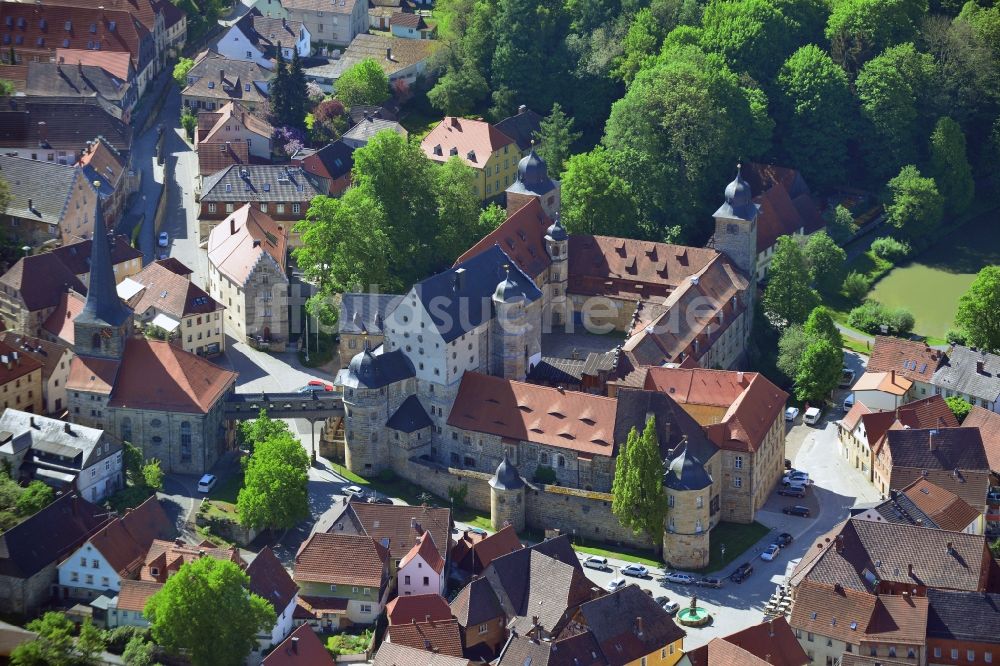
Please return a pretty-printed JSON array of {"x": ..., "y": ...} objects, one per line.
[
  {"x": 105, "y": 322},
  {"x": 736, "y": 226}
]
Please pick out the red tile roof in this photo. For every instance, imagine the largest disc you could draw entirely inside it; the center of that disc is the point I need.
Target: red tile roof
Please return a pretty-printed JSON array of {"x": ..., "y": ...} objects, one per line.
[
  {"x": 342, "y": 559},
  {"x": 832, "y": 611},
  {"x": 60, "y": 322},
  {"x": 165, "y": 558},
  {"x": 268, "y": 579},
  {"x": 133, "y": 594},
  {"x": 234, "y": 112},
  {"x": 169, "y": 292},
  {"x": 522, "y": 237},
  {"x": 854, "y": 416},
  {"x": 215, "y": 156},
  {"x": 474, "y": 141},
  {"x": 236, "y": 244},
  {"x": 526, "y": 412},
  {"x": 946, "y": 509},
  {"x": 989, "y": 428},
  {"x": 433, "y": 636},
  {"x": 94, "y": 375},
  {"x": 769, "y": 642},
  {"x": 125, "y": 540},
  {"x": 898, "y": 619},
  {"x": 914, "y": 360},
  {"x": 11, "y": 368},
  {"x": 108, "y": 162},
  {"x": 932, "y": 412},
  {"x": 302, "y": 647},
  {"x": 781, "y": 214},
  {"x": 185, "y": 382},
  {"x": 425, "y": 548},
  {"x": 391, "y": 654},
  {"x": 478, "y": 552},
  {"x": 402, "y": 524},
  {"x": 422, "y": 607},
  {"x": 884, "y": 382},
  {"x": 117, "y": 64}
]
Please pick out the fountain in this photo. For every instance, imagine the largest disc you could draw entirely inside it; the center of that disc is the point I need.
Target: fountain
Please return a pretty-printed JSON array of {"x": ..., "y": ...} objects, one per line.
[{"x": 694, "y": 615}]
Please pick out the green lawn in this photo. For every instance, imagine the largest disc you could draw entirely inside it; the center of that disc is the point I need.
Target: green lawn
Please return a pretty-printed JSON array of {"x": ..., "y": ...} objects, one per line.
[
  {"x": 856, "y": 345},
  {"x": 419, "y": 123},
  {"x": 738, "y": 538},
  {"x": 646, "y": 557}
]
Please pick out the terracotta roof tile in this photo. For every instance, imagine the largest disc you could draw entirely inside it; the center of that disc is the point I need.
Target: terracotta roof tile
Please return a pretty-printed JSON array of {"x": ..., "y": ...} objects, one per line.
[
  {"x": 854, "y": 416},
  {"x": 612, "y": 620},
  {"x": 235, "y": 112},
  {"x": 168, "y": 292},
  {"x": 778, "y": 216},
  {"x": 394, "y": 522},
  {"x": 472, "y": 141},
  {"x": 769, "y": 642},
  {"x": 566, "y": 419},
  {"x": 425, "y": 548},
  {"x": 485, "y": 550},
  {"x": 898, "y": 619},
  {"x": 393, "y": 654},
  {"x": 49, "y": 354},
  {"x": 25, "y": 364},
  {"x": 185, "y": 381},
  {"x": 165, "y": 558},
  {"x": 522, "y": 237},
  {"x": 94, "y": 375},
  {"x": 60, "y": 322},
  {"x": 438, "y": 637},
  {"x": 125, "y": 540},
  {"x": 832, "y": 611},
  {"x": 42, "y": 280},
  {"x": 133, "y": 594},
  {"x": 946, "y": 509},
  {"x": 988, "y": 424},
  {"x": 238, "y": 243},
  {"x": 268, "y": 579},
  {"x": 214, "y": 156},
  {"x": 302, "y": 647},
  {"x": 421, "y": 607},
  {"x": 887, "y": 382},
  {"x": 914, "y": 360},
  {"x": 116, "y": 64},
  {"x": 316, "y": 608},
  {"x": 341, "y": 559}
]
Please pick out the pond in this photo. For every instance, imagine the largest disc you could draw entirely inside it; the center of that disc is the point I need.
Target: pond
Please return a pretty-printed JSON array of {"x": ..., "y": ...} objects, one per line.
[{"x": 931, "y": 285}]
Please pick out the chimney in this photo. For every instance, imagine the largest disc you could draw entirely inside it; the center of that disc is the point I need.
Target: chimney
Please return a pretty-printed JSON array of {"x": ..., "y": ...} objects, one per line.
[
  {"x": 295, "y": 644},
  {"x": 980, "y": 368},
  {"x": 951, "y": 550},
  {"x": 222, "y": 76},
  {"x": 931, "y": 444},
  {"x": 232, "y": 226},
  {"x": 522, "y": 108},
  {"x": 839, "y": 543},
  {"x": 770, "y": 628},
  {"x": 909, "y": 570},
  {"x": 32, "y": 421},
  {"x": 534, "y": 620},
  {"x": 31, "y": 204},
  {"x": 456, "y": 123},
  {"x": 413, "y": 523},
  {"x": 67, "y": 428},
  {"x": 893, "y": 377},
  {"x": 388, "y": 53},
  {"x": 638, "y": 625},
  {"x": 427, "y": 618}
]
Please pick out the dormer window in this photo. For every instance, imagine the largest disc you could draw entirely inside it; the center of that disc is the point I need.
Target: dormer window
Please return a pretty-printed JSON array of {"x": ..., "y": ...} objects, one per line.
[
  {"x": 471, "y": 155},
  {"x": 229, "y": 187},
  {"x": 69, "y": 26},
  {"x": 438, "y": 150},
  {"x": 453, "y": 151},
  {"x": 112, "y": 25},
  {"x": 246, "y": 87},
  {"x": 211, "y": 85},
  {"x": 93, "y": 27},
  {"x": 154, "y": 571}
]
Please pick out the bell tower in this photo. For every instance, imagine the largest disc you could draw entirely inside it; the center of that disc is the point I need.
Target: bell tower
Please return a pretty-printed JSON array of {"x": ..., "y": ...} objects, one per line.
[
  {"x": 105, "y": 322},
  {"x": 736, "y": 226}
]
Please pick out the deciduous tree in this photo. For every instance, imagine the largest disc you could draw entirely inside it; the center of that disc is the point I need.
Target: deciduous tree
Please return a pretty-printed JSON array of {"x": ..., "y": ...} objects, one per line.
[
  {"x": 595, "y": 199},
  {"x": 274, "y": 493},
  {"x": 791, "y": 346},
  {"x": 456, "y": 93},
  {"x": 820, "y": 326},
  {"x": 35, "y": 497},
  {"x": 752, "y": 35},
  {"x": 826, "y": 262},
  {"x": 979, "y": 310},
  {"x": 915, "y": 207},
  {"x": 819, "y": 371},
  {"x": 860, "y": 29},
  {"x": 55, "y": 645},
  {"x": 363, "y": 83},
  {"x": 638, "y": 499},
  {"x": 949, "y": 166},
  {"x": 207, "y": 610},
  {"x": 959, "y": 406},
  {"x": 181, "y": 70},
  {"x": 788, "y": 298},
  {"x": 152, "y": 474}
]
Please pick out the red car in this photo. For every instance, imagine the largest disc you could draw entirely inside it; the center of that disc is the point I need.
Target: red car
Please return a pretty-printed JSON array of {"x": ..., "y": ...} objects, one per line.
[{"x": 316, "y": 386}]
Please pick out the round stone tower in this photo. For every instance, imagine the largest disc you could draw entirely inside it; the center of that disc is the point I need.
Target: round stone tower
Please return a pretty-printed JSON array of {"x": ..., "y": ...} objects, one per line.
[
  {"x": 510, "y": 330},
  {"x": 507, "y": 497},
  {"x": 556, "y": 302},
  {"x": 365, "y": 406},
  {"x": 688, "y": 523}
]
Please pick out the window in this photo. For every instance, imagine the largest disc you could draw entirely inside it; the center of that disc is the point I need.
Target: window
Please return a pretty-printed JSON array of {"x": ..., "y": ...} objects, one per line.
[
  {"x": 699, "y": 501},
  {"x": 810, "y": 637},
  {"x": 74, "y": 577},
  {"x": 954, "y": 653},
  {"x": 969, "y": 654},
  {"x": 427, "y": 581},
  {"x": 89, "y": 579},
  {"x": 211, "y": 207},
  {"x": 738, "y": 462},
  {"x": 249, "y": 54},
  {"x": 737, "y": 481},
  {"x": 406, "y": 580},
  {"x": 937, "y": 652},
  {"x": 483, "y": 628},
  {"x": 670, "y": 501},
  {"x": 94, "y": 564},
  {"x": 296, "y": 208},
  {"x": 366, "y": 608},
  {"x": 988, "y": 657},
  {"x": 263, "y": 207}
]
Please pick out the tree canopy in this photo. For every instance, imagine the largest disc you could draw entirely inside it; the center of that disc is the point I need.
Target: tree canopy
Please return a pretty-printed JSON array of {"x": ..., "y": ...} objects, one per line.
[
  {"x": 788, "y": 298},
  {"x": 207, "y": 609},
  {"x": 949, "y": 165},
  {"x": 274, "y": 493},
  {"x": 638, "y": 498},
  {"x": 819, "y": 371},
  {"x": 363, "y": 83},
  {"x": 56, "y": 646},
  {"x": 915, "y": 207},
  {"x": 556, "y": 140},
  {"x": 826, "y": 262},
  {"x": 979, "y": 310}
]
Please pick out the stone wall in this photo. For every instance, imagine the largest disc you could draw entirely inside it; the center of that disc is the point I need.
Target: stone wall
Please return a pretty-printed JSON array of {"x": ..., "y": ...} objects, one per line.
[{"x": 24, "y": 596}]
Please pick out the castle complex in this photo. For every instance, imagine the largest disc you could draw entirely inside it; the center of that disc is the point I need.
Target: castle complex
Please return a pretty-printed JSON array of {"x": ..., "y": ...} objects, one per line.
[{"x": 444, "y": 401}]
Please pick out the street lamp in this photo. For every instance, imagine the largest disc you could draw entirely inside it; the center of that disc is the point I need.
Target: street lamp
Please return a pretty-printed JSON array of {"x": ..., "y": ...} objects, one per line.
[
  {"x": 722, "y": 549},
  {"x": 26, "y": 249}
]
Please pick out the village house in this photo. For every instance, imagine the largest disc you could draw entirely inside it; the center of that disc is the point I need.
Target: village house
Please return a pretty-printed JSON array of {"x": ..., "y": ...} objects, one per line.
[
  {"x": 882, "y": 391},
  {"x": 126, "y": 260},
  {"x": 335, "y": 23},
  {"x": 256, "y": 38},
  {"x": 302, "y": 647},
  {"x": 524, "y": 127},
  {"x": 164, "y": 400},
  {"x": 380, "y": 11},
  {"x": 394, "y": 654},
  {"x": 329, "y": 167},
  {"x": 771, "y": 642},
  {"x": 247, "y": 255},
  {"x": 30, "y": 552},
  {"x": 269, "y": 8},
  {"x": 281, "y": 192},
  {"x": 359, "y": 135},
  {"x": 402, "y": 60},
  {"x": 230, "y": 126},
  {"x": 113, "y": 553},
  {"x": 417, "y": 607},
  {"x": 952, "y": 458},
  {"x": 343, "y": 579},
  {"x": 170, "y": 302},
  {"x": 925, "y": 504},
  {"x": 479, "y": 145},
  {"x": 49, "y": 201},
  {"x": 112, "y": 175},
  {"x": 970, "y": 374},
  {"x": 962, "y": 627},
  {"x": 74, "y": 79},
  {"x": 474, "y": 549},
  {"x": 421, "y": 571},
  {"x": 429, "y": 635},
  {"x": 910, "y": 359},
  {"x": 215, "y": 80},
  {"x": 988, "y": 424},
  {"x": 36, "y": 128},
  {"x": 61, "y": 454},
  {"x": 481, "y": 620},
  {"x": 55, "y": 358},
  {"x": 410, "y": 26},
  {"x": 117, "y": 64},
  {"x": 270, "y": 581},
  {"x": 20, "y": 381}
]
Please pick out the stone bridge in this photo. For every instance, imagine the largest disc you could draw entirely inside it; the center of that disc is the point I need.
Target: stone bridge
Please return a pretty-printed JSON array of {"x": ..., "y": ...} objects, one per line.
[{"x": 314, "y": 407}]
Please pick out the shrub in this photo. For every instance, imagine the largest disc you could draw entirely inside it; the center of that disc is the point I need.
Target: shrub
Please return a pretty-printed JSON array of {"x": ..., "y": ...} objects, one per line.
[
  {"x": 544, "y": 474},
  {"x": 120, "y": 636},
  {"x": 901, "y": 321},
  {"x": 955, "y": 336},
  {"x": 890, "y": 249},
  {"x": 856, "y": 286},
  {"x": 959, "y": 407},
  {"x": 870, "y": 316},
  {"x": 458, "y": 494},
  {"x": 189, "y": 122}
]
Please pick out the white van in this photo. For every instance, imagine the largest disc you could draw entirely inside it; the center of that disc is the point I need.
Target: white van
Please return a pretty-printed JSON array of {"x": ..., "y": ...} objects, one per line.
[
  {"x": 812, "y": 415},
  {"x": 848, "y": 402}
]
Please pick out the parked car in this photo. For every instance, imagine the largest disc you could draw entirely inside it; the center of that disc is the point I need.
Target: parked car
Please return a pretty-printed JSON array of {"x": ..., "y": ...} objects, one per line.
[
  {"x": 797, "y": 510},
  {"x": 848, "y": 402},
  {"x": 846, "y": 378},
  {"x": 671, "y": 607},
  {"x": 164, "y": 239},
  {"x": 812, "y": 415},
  {"x": 634, "y": 570},
  {"x": 791, "y": 413},
  {"x": 677, "y": 577},
  {"x": 354, "y": 491},
  {"x": 616, "y": 584},
  {"x": 783, "y": 539},
  {"x": 742, "y": 572},
  {"x": 792, "y": 490},
  {"x": 378, "y": 500},
  {"x": 770, "y": 552},
  {"x": 316, "y": 386},
  {"x": 709, "y": 581},
  {"x": 662, "y": 600},
  {"x": 795, "y": 477},
  {"x": 595, "y": 562},
  {"x": 206, "y": 483}
]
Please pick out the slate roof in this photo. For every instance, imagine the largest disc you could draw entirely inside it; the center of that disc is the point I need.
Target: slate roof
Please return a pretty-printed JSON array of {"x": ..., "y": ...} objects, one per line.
[
  {"x": 238, "y": 243},
  {"x": 522, "y": 237},
  {"x": 216, "y": 76},
  {"x": 49, "y": 535},
  {"x": 376, "y": 368},
  {"x": 21, "y": 123},
  {"x": 522, "y": 127},
  {"x": 259, "y": 182},
  {"x": 914, "y": 360},
  {"x": 472, "y": 141},
  {"x": 554, "y": 371},
  {"x": 438, "y": 637},
  {"x": 40, "y": 190},
  {"x": 163, "y": 290},
  {"x": 48, "y": 79},
  {"x": 266, "y": 33},
  {"x": 476, "y": 604},
  {"x": 894, "y": 547},
  {"x": 185, "y": 382},
  {"x": 364, "y": 312},
  {"x": 103, "y": 306},
  {"x": 268, "y": 579},
  {"x": 964, "y": 616},
  {"x": 45, "y": 442},
  {"x": 341, "y": 559},
  {"x": 417, "y": 607},
  {"x": 462, "y": 295},
  {"x": 988, "y": 424},
  {"x": 369, "y": 127},
  {"x": 410, "y": 417},
  {"x": 394, "y": 654},
  {"x": 302, "y": 647},
  {"x": 578, "y": 650},
  {"x": 628, "y": 624},
  {"x": 961, "y": 372}
]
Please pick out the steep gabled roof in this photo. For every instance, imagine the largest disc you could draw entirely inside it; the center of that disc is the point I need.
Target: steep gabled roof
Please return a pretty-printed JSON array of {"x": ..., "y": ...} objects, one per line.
[
  {"x": 425, "y": 548},
  {"x": 522, "y": 237},
  {"x": 237, "y": 243},
  {"x": 302, "y": 647},
  {"x": 628, "y": 624},
  {"x": 971, "y": 372},
  {"x": 988, "y": 424},
  {"x": 341, "y": 559},
  {"x": 472, "y": 141},
  {"x": 417, "y": 607},
  {"x": 476, "y": 603},
  {"x": 914, "y": 360},
  {"x": 268, "y": 579},
  {"x": 438, "y": 637},
  {"x": 394, "y": 654},
  {"x": 522, "y": 127},
  {"x": 125, "y": 540},
  {"x": 39, "y": 190}
]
